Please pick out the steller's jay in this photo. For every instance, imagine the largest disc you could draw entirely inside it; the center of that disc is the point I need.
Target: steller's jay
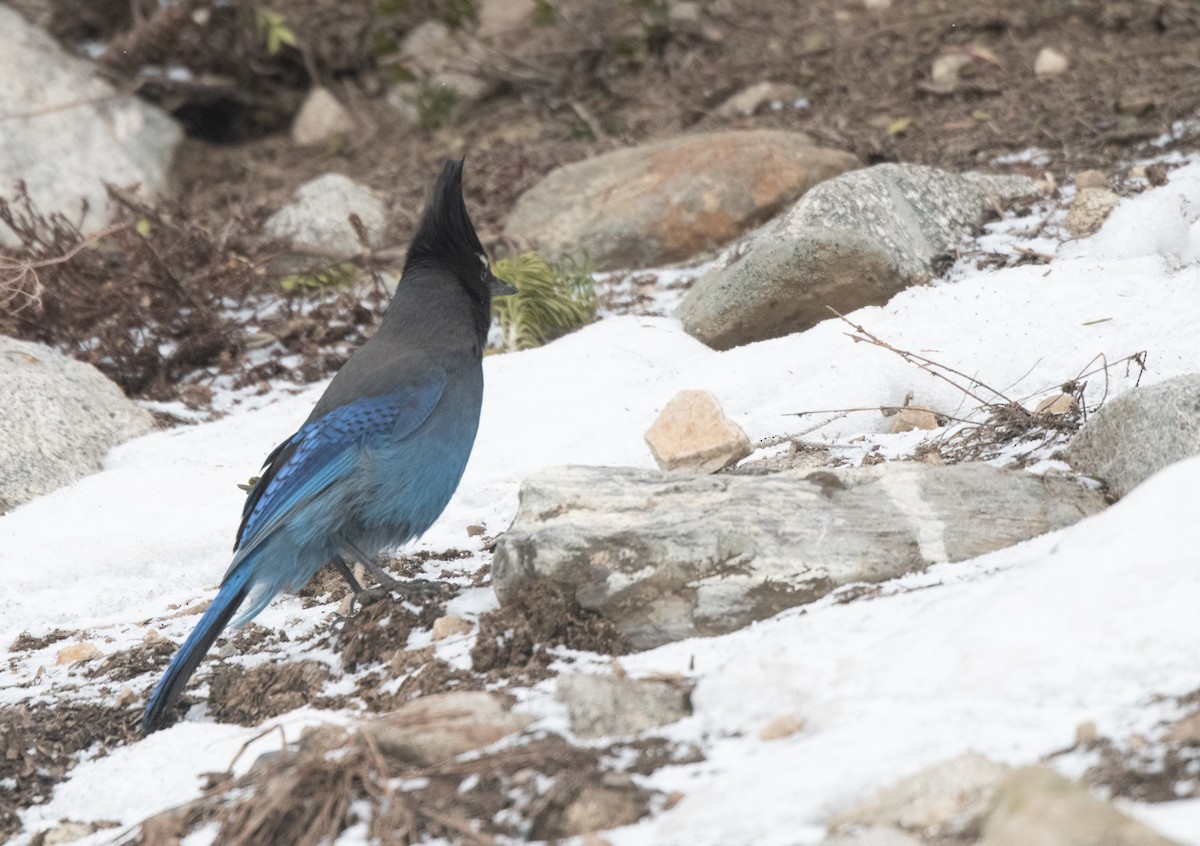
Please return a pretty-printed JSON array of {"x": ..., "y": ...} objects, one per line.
[{"x": 385, "y": 446}]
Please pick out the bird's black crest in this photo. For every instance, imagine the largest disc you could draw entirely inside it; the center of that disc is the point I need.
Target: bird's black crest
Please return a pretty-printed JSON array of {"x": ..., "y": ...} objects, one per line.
[{"x": 446, "y": 233}]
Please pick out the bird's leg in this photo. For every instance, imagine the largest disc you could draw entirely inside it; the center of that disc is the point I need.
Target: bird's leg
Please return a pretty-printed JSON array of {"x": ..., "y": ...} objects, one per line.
[
  {"x": 339, "y": 564},
  {"x": 415, "y": 590}
]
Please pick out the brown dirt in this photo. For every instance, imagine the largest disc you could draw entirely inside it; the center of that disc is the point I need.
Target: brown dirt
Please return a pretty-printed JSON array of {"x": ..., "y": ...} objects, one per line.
[
  {"x": 373, "y": 634},
  {"x": 249, "y": 696},
  {"x": 40, "y": 744},
  {"x": 25, "y": 642},
  {"x": 131, "y": 663},
  {"x": 513, "y": 640}
]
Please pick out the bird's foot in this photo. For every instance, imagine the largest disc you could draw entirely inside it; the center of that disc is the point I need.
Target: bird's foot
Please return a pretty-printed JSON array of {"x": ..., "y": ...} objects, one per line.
[{"x": 416, "y": 591}]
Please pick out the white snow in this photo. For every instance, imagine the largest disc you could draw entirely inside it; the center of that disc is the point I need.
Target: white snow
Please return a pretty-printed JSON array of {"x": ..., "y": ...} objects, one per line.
[{"x": 1005, "y": 654}]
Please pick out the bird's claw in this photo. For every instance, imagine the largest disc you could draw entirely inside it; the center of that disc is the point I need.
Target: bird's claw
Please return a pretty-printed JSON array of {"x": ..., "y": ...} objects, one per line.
[{"x": 417, "y": 591}]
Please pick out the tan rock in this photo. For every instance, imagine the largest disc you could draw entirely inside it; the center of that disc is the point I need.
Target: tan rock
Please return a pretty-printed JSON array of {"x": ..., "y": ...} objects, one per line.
[
  {"x": 785, "y": 725},
  {"x": 1091, "y": 179},
  {"x": 443, "y": 57},
  {"x": 762, "y": 94},
  {"x": 1036, "y": 806},
  {"x": 1085, "y": 733},
  {"x": 437, "y": 729},
  {"x": 943, "y": 800},
  {"x": 670, "y": 200},
  {"x": 448, "y": 626},
  {"x": 614, "y": 802},
  {"x": 944, "y": 73},
  {"x": 611, "y": 706},
  {"x": 692, "y": 434},
  {"x": 1050, "y": 62},
  {"x": 1090, "y": 208},
  {"x": 499, "y": 17},
  {"x": 1057, "y": 404},
  {"x": 77, "y": 652},
  {"x": 321, "y": 119},
  {"x": 1186, "y": 731},
  {"x": 875, "y": 835},
  {"x": 913, "y": 417}
]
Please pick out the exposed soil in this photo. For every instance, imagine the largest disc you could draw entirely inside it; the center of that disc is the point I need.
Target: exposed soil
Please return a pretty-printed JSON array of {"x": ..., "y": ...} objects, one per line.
[
  {"x": 249, "y": 696},
  {"x": 513, "y": 640},
  {"x": 41, "y": 742}
]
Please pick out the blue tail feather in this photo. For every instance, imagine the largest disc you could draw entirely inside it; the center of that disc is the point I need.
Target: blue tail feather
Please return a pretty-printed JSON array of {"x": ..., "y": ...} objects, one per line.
[{"x": 169, "y": 688}]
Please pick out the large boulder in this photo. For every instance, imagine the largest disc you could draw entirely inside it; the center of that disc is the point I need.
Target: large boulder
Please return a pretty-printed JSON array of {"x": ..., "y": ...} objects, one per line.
[
  {"x": 66, "y": 132},
  {"x": 1139, "y": 433},
  {"x": 673, "y": 199},
  {"x": 59, "y": 417},
  {"x": 671, "y": 557},
  {"x": 1036, "y": 806},
  {"x": 853, "y": 241}
]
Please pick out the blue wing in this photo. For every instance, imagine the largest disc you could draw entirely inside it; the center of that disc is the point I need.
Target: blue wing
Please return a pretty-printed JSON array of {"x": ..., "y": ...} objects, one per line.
[{"x": 325, "y": 450}]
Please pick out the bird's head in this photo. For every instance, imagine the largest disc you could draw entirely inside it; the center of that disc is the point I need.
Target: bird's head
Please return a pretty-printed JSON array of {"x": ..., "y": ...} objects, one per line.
[{"x": 446, "y": 239}]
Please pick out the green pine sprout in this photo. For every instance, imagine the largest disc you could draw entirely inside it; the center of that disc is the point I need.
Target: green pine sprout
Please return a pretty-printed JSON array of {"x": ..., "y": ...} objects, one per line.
[
  {"x": 338, "y": 276},
  {"x": 551, "y": 299}
]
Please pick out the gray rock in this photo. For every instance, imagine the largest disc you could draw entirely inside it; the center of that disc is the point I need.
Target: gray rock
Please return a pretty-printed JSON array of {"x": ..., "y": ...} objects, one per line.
[
  {"x": 442, "y": 57},
  {"x": 59, "y": 418},
  {"x": 436, "y": 729},
  {"x": 318, "y": 220},
  {"x": 666, "y": 558},
  {"x": 1036, "y": 806},
  {"x": 607, "y": 706},
  {"x": 945, "y": 800},
  {"x": 66, "y": 132},
  {"x": 611, "y": 801},
  {"x": 852, "y": 241},
  {"x": 1139, "y": 433},
  {"x": 670, "y": 200}
]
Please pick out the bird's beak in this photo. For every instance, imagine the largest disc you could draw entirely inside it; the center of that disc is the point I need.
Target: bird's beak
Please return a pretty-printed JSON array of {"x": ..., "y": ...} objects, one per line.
[{"x": 499, "y": 287}]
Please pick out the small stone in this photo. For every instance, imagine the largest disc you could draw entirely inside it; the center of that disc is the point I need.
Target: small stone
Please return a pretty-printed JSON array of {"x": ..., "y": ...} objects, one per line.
[
  {"x": 692, "y": 434},
  {"x": 913, "y": 417},
  {"x": 448, "y": 626},
  {"x": 436, "y": 729},
  {"x": 152, "y": 636},
  {"x": 1086, "y": 733},
  {"x": 785, "y": 725},
  {"x": 1057, "y": 404},
  {"x": 66, "y": 832},
  {"x": 758, "y": 96},
  {"x": 877, "y": 5},
  {"x": 1186, "y": 732},
  {"x": 475, "y": 530},
  {"x": 1091, "y": 179},
  {"x": 608, "y": 706},
  {"x": 683, "y": 16},
  {"x": 944, "y": 74},
  {"x": 321, "y": 119},
  {"x": 126, "y": 697},
  {"x": 1050, "y": 62},
  {"x": 77, "y": 652},
  {"x": 500, "y": 17},
  {"x": 317, "y": 221},
  {"x": 599, "y": 807},
  {"x": 1090, "y": 208}
]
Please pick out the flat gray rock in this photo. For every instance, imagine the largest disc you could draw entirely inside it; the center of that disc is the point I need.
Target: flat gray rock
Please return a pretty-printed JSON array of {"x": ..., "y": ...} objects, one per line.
[
  {"x": 58, "y": 417},
  {"x": 66, "y": 131},
  {"x": 852, "y": 241},
  {"x": 1139, "y": 433},
  {"x": 667, "y": 558},
  {"x": 608, "y": 706}
]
